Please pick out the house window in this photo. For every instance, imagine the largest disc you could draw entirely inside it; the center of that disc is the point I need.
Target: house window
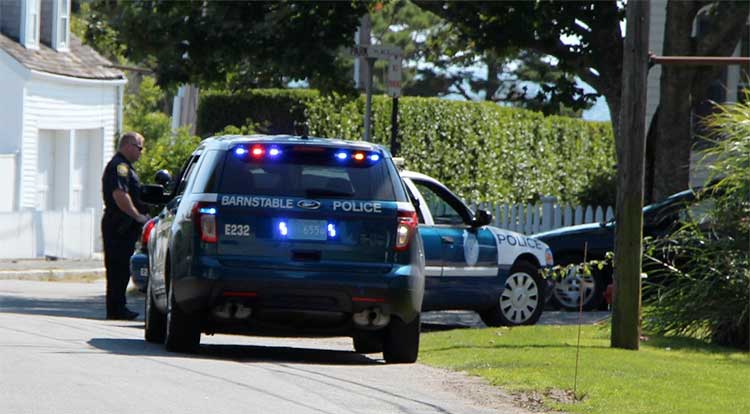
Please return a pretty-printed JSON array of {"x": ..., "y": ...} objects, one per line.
[
  {"x": 62, "y": 25},
  {"x": 30, "y": 31}
]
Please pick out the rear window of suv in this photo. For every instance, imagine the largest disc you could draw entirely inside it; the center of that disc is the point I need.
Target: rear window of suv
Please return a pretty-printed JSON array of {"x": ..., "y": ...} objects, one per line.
[{"x": 310, "y": 172}]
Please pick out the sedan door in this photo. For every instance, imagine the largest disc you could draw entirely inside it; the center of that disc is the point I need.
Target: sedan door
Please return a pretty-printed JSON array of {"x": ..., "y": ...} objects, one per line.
[{"x": 461, "y": 260}]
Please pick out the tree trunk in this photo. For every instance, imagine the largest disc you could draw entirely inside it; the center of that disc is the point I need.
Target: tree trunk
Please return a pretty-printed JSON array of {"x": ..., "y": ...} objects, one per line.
[
  {"x": 672, "y": 141},
  {"x": 493, "y": 83},
  {"x": 670, "y": 137}
]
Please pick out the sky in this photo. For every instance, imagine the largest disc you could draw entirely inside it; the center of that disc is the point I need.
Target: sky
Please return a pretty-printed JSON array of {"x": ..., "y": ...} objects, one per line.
[{"x": 600, "y": 110}]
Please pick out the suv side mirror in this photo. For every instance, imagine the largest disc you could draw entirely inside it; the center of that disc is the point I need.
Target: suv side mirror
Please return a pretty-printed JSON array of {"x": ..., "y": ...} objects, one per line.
[
  {"x": 163, "y": 178},
  {"x": 153, "y": 194},
  {"x": 481, "y": 218}
]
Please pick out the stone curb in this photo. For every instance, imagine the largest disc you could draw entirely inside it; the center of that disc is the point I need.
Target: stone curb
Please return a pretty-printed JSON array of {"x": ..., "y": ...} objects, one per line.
[{"x": 51, "y": 274}]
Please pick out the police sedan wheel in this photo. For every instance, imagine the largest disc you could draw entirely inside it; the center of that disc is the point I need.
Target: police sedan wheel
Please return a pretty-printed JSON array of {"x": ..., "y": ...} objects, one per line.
[{"x": 522, "y": 299}]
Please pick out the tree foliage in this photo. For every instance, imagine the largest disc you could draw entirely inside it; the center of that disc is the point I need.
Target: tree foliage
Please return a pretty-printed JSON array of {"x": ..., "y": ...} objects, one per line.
[
  {"x": 163, "y": 148},
  {"x": 543, "y": 27},
  {"x": 586, "y": 38},
  {"x": 440, "y": 61},
  {"x": 251, "y": 43}
]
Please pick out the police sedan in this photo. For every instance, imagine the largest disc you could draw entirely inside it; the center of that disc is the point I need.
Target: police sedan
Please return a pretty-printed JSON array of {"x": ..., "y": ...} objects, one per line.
[{"x": 473, "y": 266}]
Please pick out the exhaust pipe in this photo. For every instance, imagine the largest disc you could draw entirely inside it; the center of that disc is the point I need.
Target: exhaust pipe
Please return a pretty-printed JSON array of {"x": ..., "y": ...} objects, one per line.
[
  {"x": 371, "y": 318},
  {"x": 232, "y": 309}
]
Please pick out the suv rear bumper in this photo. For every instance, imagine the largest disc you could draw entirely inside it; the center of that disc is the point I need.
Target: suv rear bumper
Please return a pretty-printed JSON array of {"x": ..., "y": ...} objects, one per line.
[{"x": 304, "y": 301}]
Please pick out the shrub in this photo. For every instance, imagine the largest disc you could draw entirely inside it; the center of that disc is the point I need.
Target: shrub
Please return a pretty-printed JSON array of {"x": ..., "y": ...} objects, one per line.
[
  {"x": 167, "y": 152},
  {"x": 704, "y": 272},
  {"x": 483, "y": 151},
  {"x": 272, "y": 111}
]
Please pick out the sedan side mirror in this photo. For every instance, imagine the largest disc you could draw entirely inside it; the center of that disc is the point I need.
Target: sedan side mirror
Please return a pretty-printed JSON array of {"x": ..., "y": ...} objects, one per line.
[
  {"x": 481, "y": 218},
  {"x": 153, "y": 194}
]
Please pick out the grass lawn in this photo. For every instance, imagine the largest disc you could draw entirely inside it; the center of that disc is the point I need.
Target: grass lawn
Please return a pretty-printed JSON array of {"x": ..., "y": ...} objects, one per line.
[{"x": 667, "y": 375}]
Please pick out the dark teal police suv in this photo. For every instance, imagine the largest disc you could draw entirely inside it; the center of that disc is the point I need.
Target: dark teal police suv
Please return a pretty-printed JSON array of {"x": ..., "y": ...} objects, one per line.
[{"x": 286, "y": 236}]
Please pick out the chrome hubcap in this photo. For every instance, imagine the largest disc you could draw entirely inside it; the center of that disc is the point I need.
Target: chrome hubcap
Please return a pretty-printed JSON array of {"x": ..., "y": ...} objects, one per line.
[
  {"x": 520, "y": 298},
  {"x": 568, "y": 291}
]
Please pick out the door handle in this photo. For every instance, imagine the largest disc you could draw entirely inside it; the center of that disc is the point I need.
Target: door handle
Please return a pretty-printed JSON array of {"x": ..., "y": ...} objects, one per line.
[{"x": 446, "y": 239}]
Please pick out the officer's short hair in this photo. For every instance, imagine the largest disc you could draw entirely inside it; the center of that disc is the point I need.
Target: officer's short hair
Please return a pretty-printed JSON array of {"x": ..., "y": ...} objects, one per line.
[{"x": 129, "y": 138}]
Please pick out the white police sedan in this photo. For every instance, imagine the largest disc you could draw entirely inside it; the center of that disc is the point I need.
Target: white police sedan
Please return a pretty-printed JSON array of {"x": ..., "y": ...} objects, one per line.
[{"x": 473, "y": 266}]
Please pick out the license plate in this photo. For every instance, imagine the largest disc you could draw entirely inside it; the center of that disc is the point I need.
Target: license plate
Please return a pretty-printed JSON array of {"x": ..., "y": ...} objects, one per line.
[{"x": 307, "y": 229}]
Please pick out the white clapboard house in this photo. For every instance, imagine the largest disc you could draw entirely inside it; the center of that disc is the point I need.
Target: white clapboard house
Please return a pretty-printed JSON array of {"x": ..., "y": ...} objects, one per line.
[{"x": 60, "y": 111}]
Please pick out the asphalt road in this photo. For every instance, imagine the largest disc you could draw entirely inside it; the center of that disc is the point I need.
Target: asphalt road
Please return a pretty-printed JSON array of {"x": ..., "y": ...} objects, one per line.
[{"x": 58, "y": 355}]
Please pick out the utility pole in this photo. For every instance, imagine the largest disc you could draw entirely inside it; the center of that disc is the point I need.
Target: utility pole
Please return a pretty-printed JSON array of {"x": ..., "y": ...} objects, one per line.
[{"x": 631, "y": 152}]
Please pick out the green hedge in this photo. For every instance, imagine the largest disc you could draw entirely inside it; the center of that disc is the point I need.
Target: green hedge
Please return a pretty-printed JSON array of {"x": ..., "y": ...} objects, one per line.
[
  {"x": 482, "y": 151},
  {"x": 273, "y": 111}
]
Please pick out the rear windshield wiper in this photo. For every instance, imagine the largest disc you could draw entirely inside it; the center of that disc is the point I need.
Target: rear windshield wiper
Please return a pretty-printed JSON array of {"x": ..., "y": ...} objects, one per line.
[{"x": 322, "y": 192}]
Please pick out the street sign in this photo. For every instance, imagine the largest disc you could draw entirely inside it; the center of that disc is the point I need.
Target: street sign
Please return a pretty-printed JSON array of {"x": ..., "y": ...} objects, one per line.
[
  {"x": 392, "y": 54},
  {"x": 394, "y": 78},
  {"x": 377, "y": 52},
  {"x": 384, "y": 52}
]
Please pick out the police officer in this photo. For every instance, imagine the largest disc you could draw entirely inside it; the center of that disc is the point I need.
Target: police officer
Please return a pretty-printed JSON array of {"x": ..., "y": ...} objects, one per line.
[{"x": 124, "y": 215}]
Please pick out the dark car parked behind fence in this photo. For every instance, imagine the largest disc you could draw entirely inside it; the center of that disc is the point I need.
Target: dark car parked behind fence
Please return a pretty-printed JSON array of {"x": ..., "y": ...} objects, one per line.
[{"x": 568, "y": 245}]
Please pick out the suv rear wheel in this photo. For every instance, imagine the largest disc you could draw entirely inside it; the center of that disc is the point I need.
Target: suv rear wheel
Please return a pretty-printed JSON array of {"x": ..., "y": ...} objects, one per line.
[
  {"x": 401, "y": 342},
  {"x": 522, "y": 300},
  {"x": 183, "y": 334}
]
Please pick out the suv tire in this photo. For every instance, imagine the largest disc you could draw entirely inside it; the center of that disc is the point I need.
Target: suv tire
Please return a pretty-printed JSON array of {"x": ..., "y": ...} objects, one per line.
[
  {"x": 401, "y": 342},
  {"x": 368, "y": 343},
  {"x": 182, "y": 334}
]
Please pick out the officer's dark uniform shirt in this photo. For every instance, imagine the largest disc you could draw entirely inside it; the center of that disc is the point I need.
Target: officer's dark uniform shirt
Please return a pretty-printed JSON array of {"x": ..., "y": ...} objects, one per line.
[{"x": 119, "y": 173}]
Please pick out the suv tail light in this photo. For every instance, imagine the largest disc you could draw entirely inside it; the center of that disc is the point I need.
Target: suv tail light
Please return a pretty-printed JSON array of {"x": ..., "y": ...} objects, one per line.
[
  {"x": 204, "y": 220},
  {"x": 407, "y": 226},
  {"x": 147, "y": 229}
]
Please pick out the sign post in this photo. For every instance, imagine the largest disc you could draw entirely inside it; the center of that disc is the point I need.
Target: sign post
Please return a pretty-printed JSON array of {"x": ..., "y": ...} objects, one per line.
[{"x": 393, "y": 55}]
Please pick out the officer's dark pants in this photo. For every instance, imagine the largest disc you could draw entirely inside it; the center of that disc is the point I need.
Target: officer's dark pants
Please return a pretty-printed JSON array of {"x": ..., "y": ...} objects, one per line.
[{"x": 118, "y": 248}]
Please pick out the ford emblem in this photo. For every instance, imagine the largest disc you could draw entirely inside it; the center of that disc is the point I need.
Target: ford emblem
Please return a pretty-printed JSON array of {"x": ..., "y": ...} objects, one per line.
[{"x": 309, "y": 204}]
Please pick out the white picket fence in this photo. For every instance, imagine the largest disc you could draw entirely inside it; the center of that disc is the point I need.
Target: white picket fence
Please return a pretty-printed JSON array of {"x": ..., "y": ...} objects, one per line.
[
  {"x": 546, "y": 215},
  {"x": 60, "y": 233}
]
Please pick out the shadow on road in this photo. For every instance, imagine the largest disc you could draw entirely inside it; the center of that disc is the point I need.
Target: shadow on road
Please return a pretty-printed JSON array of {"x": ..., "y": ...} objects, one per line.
[
  {"x": 86, "y": 308},
  {"x": 437, "y": 327},
  {"x": 89, "y": 307},
  {"x": 237, "y": 353}
]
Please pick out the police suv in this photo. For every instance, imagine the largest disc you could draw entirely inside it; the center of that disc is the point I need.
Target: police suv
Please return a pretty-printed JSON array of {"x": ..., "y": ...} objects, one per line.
[
  {"x": 286, "y": 236},
  {"x": 473, "y": 266}
]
